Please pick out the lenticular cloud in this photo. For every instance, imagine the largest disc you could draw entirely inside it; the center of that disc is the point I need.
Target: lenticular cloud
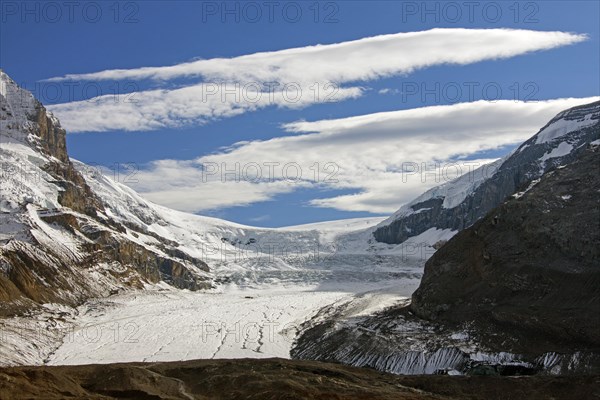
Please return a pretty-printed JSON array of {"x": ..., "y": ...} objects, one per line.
[{"x": 298, "y": 77}]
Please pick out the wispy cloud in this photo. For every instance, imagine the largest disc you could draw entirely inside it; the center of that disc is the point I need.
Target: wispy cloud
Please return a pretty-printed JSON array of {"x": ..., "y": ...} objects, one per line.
[
  {"x": 365, "y": 154},
  {"x": 260, "y": 218},
  {"x": 289, "y": 78},
  {"x": 388, "y": 91}
]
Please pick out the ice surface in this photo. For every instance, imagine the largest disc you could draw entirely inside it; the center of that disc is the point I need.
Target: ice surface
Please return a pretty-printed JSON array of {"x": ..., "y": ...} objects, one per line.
[{"x": 178, "y": 325}]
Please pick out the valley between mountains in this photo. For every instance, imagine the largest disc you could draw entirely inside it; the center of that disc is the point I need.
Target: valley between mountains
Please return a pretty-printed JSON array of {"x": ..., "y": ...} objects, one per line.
[
  {"x": 493, "y": 273},
  {"x": 93, "y": 273}
]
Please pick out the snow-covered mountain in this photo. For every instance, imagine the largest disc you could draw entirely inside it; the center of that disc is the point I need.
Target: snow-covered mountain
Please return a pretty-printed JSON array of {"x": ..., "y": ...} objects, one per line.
[
  {"x": 458, "y": 204},
  {"x": 68, "y": 232},
  {"x": 61, "y": 241},
  {"x": 79, "y": 249}
]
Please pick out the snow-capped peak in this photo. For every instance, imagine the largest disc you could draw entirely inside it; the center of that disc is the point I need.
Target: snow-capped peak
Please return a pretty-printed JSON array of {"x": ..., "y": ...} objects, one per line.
[
  {"x": 564, "y": 123},
  {"x": 452, "y": 193},
  {"x": 17, "y": 107},
  {"x": 457, "y": 204}
]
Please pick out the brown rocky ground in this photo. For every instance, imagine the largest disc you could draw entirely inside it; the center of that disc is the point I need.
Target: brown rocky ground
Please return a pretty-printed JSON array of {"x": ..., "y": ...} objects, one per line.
[{"x": 266, "y": 379}]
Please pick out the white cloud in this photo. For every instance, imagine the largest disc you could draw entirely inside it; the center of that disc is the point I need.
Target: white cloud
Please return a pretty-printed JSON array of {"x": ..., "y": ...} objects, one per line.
[
  {"x": 191, "y": 105},
  {"x": 184, "y": 185},
  {"x": 324, "y": 67},
  {"x": 362, "y": 59},
  {"x": 213, "y": 195},
  {"x": 388, "y": 91},
  {"x": 365, "y": 154},
  {"x": 260, "y": 218}
]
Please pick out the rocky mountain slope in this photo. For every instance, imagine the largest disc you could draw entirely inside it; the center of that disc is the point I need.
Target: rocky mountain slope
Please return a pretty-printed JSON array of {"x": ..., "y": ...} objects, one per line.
[
  {"x": 459, "y": 203},
  {"x": 516, "y": 293},
  {"x": 59, "y": 242},
  {"x": 528, "y": 274}
]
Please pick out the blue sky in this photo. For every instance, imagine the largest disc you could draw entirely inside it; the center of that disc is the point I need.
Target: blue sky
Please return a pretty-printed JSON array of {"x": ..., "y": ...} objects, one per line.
[{"x": 41, "y": 41}]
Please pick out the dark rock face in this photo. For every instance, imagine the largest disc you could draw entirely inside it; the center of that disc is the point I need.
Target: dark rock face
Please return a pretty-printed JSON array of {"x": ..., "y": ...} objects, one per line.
[
  {"x": 520, "y": 168},
  {"x": 396, "y": 341},
  {"x": 520, "y": 287},
  {"x": 528, "y": 274},
  {"x": 51, "y": 141},
  {"x": 516, "y": 293},
  {"x": 75, "y": 194},
  {"x": 52, "y": 136}
]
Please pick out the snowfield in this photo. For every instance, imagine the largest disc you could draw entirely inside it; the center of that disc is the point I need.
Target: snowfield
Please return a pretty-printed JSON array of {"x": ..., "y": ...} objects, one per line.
[
  {"x": 168, "y": 325},
  {"x": 259, "y": 305},
  {"x": 263, "y": 295},
  {"x": 178, "y": 325}
]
